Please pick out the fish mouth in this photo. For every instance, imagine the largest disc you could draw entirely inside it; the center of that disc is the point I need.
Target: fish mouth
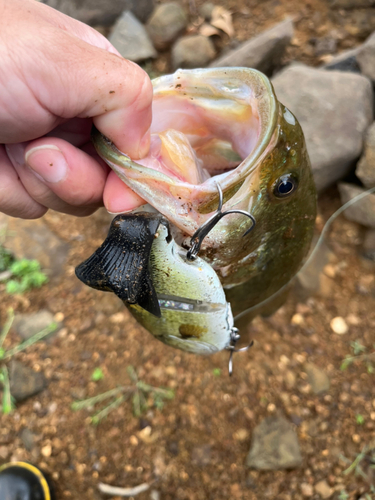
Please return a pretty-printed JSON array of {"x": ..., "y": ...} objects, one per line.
[{"x": 209, "y": 127}]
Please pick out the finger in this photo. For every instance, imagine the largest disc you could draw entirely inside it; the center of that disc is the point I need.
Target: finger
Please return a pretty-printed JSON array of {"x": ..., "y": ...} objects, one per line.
[
  {"x": 14, "y": 199},
  {"x": 70, "y": 77},
  {"x": 118, "y": 197},
  {"x": 60, "y": 176}
]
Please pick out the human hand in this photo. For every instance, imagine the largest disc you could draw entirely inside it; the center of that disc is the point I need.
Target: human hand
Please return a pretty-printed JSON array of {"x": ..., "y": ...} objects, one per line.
[{"x": 57, "y": 77}]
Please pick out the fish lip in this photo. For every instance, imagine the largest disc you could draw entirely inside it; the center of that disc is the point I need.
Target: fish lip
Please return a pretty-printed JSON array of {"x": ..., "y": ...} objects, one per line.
[{"x": 119, "y": 161}]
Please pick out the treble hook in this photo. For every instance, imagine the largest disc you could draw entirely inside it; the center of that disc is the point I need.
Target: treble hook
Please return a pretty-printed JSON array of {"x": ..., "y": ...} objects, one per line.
[
  {"x": 204, "y": 229},
  {"x": 234, "y": 338}
]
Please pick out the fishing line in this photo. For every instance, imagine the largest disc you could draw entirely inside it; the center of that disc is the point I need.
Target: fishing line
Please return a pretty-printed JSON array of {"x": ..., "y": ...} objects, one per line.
[{"x": 314, "y": 251}]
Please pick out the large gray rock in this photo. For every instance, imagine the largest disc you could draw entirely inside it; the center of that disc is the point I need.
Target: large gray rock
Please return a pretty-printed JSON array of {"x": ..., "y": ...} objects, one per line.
[
  {"x": 366, "y": 57},
  {"x": 362, "y": 211},
  {"x": 32, "y": 239},
  {"x": 102, "y": 12},
  {"x": 274, "y": 446},
  {"x": 130, "y": 38},
  {"x": 263, "y": 52},
  {"x": 194, "y": 51},
  {"x": 27, "y": 325},
  {"x": 24, "y": 382},
  {"x": 366, "y": 166},
  {"x": 334, "y": 109},
  {"x": 167, "y": 22}
]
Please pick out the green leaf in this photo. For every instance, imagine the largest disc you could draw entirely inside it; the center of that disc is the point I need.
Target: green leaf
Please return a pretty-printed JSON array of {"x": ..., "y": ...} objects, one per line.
[
  {"x": 97, "y": 375},
  {"x": 360, "y": 419},
  {"x": 216, "y": 372}
]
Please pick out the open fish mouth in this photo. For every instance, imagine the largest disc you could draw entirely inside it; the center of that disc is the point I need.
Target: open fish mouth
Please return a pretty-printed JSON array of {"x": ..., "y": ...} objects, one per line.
[{"x": 209, "y": 126}]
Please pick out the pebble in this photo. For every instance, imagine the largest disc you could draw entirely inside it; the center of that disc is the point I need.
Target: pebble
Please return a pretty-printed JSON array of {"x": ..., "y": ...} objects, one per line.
[
  {"x": 166, "y": 23},
  {"x": 339, "y": 326},
  {"x": 323, "y": 489},
  {"x": 317, "y": 378},
  {"x": 274, "y": 446},
  {"x": 363, "y": 211},
  {"x": 194, "y": 51},
  {"x": 369, "y": 244},
  {"x": 25, "y": 382},
  {"x": 307, "y": 490},
  {"x": 46, "y": 450},
  {"x": 27, "y": 325},
  {"x": 263, "y": 52},
  {"x": 131, "y": 39},
  {"x": 241, "y": 435},
  {"x": 205, "y": 10},
  {"x": 297, "y": 319},
  {"x": 322, "y": 101}
]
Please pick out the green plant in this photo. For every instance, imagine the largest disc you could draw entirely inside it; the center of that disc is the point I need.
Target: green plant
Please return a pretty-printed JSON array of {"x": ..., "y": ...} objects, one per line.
[
  {"x": 6, "y": 259},
  {"x": 359, "y": 354},
  {"x": 140, "y": 394},
  {"x": 7, "y": 404},
  {"x": 97, "y": 375},
  {"x": 360, "y": 419},
  {"x": 343, "y": 495},
  {"x": 25, "y": 274},
  {"x": 216, "y": 372},
  {"x": 364, "y": 460}
]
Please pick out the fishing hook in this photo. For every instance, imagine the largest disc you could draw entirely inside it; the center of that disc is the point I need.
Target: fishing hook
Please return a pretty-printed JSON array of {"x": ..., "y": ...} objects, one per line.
[
  {"x": 234, "y": 338},
  {"x": 200, "y": 234}
]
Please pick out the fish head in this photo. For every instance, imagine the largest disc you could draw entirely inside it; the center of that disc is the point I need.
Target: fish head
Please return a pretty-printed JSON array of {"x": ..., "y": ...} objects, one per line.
[{"x": 224, "y": 126}]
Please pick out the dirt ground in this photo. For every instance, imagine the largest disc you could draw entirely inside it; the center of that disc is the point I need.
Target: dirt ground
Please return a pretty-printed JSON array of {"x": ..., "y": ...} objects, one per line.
[{"x": 196, "y": 446}]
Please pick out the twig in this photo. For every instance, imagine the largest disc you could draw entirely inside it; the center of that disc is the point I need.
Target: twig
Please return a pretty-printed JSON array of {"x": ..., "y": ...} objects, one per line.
[{"x": 107, "y": 489}]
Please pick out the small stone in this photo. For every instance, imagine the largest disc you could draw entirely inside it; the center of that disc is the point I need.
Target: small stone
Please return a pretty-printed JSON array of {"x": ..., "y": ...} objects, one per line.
[
  {"x": 362, "y": 211},
  {"x": 194, "y": 51},
  {"x": 322, "y": 101},
  {"x": 323, "y": 489},
  {"x": 241, "y": 435},
  {"x": 297, "y": 319},
  {"x": 27, "y": 325},
  {"x": 325, "y": 45},
  {"x": 345, "y": 61},
  {"x": 133, "y": 440},
  {"x": 24, "y": 382},
  {"x": 352, "y": 319},
  {"x": 307, "y": 490},
  {"x": 289, "y": 379},
  {"x": 165, "y": 24},
  {"x": 46, "y": 450},
  {"x": 131, "y": 39},
  {"x": 366, "y": 166},
  {"x": 317, "y": 378},
  {"x": 28, "y": 439},
  {"x": 4, "y": 452},
  {"x": 356, "y": 438},
  {"x": 274, "y": 446},
  {"x": 339, "y": 326},
  {"x": 263, "y": 52},
  {"x": 201, "y": 455}
]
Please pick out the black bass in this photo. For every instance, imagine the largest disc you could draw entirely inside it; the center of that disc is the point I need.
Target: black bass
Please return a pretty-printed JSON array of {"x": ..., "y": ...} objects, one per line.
[{"x": 215, "y": 132}]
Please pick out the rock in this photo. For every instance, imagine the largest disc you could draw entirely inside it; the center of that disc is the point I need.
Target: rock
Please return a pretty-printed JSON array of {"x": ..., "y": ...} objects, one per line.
[
  {"x": 307, "y": 490},
  {"x": 366, "y": 167},
  {"x": 42, "y": 244},
  {"x": 334, "y": 110},
  {"x": 351, "y": 4},
  {"x": 325, "y": 45},
  {"x": 27, "y": 325},
  {"x": 101, "y": 11},
  {"x": 24, "y": 382},
  {"x": 205, "y": 10},
  {"x": 362, "y": 211},
  {"x": 130, "y": 38},
  {"x": 369, "y": 244},
  {"x": 339, "y": 326},
  {"x": 366, "y": 57},
  {"x": 317, "y": 378},
  {"x": 323, "y": 489},
  {"x": 263, "y": 52},
  {"x": 27, "y": 438},
  {"x": 274, "y": 446},
  {"x": 167, "y": 22},
  {"x": 194, "y": 51},
  {"x": 309, "y": 277},
  {"x": 345, "y": 61}
]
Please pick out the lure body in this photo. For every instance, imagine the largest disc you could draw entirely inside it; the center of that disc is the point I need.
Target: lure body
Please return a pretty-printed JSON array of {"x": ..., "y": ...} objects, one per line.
[{"x": 221, "y": 127}]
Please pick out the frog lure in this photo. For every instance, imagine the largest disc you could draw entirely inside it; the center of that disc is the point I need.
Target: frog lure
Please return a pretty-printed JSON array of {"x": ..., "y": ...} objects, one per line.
[{"x": 227, "y": 177}]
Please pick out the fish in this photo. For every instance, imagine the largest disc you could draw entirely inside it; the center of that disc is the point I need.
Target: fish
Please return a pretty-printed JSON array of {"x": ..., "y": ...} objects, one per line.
[{"x": 227, "y": 171}]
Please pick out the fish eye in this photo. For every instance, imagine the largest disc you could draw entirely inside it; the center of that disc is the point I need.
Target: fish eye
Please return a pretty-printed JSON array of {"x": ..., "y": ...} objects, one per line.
[{"x": 285, "y": 186}]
